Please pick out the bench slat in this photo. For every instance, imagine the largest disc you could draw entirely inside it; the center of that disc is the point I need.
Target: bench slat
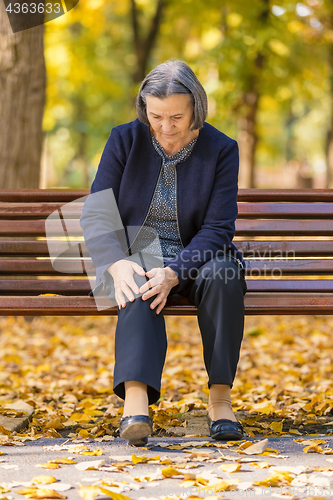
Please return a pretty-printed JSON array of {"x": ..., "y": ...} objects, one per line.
[
  {"x": 243, "y": 227},
  {"x": 71, "y": 306},
  {"x": 244, "y": 194},
  {"x": 36, "y": 287},
  {"x": 288, "y": 267},
  {"x": 255, "y": 267},
  {"x": 288, "y": 303},
  {"x": 82, "y": 287},
  {"x": 304, "y": 248},
  {"x": 24, "y": 247},
  {"x": 274, "y": 210},
  {"x": 42, "y": 195},
  {"x": 284, "y": 227},
  {"x": 249, "y": 248},
  {"x": 255, "y": 304},
  {"x": 285, "y": 195},
  {"x": 36, "y": 210},
  {"x": 44, "y": 267}
]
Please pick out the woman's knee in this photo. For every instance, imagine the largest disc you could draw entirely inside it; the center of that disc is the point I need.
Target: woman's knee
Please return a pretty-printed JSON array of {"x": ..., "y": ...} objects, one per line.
[{"x": 218, "y": 272}]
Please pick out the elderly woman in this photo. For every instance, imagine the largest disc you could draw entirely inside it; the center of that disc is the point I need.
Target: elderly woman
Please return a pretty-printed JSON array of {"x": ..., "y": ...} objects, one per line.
[{"x": 171, "y": 173}]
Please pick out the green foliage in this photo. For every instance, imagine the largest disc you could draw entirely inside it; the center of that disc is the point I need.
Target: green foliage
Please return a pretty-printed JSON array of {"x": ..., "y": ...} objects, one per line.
[{"x": 233, "y": 46}]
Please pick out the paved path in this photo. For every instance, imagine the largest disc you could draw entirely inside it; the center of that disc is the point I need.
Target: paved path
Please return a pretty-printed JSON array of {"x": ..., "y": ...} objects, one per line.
[{"x": 18, "y": 466}]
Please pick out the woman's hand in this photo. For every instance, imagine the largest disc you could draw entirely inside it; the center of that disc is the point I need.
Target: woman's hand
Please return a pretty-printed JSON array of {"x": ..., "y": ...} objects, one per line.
[
  {"x": 161, "y": 282},
  {"x": 122, "y": 273}
]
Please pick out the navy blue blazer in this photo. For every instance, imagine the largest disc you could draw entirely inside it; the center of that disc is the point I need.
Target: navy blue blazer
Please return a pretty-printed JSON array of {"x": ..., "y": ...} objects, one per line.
[{"x": 207, "y": 186}]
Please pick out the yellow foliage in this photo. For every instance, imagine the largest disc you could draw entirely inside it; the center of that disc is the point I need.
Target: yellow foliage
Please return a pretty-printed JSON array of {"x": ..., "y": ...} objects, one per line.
[
  {"x": 211, "y": 38},
  {"x": 278, "y": 47},
  {"x": 295, "y": 26},
  {"x": 234, "y": 19}
]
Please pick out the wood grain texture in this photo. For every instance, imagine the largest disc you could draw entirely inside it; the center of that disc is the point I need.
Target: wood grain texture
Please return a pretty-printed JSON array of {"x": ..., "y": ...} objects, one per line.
[{"x": 255, "y": 304}]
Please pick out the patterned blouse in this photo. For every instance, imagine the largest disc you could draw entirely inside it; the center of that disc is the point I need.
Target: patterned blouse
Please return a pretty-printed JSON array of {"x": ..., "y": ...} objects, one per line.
[{"x": 162, "y": 215}]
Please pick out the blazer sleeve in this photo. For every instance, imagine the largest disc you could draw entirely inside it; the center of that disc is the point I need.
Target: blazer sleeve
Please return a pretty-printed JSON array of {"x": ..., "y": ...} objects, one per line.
[
  {"x": 218, "y": 228},
  {"x": 100, "y": 221}
]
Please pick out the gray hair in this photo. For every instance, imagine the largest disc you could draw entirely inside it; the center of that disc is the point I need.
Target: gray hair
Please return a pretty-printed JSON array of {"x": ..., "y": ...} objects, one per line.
[{"x": 170, "y": 78}]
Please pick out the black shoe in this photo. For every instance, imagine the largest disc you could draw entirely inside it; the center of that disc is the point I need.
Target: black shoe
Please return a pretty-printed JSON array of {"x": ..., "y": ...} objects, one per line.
[
  {"x": 225, "y": 429},
  {"x": 136, "y": 428}
]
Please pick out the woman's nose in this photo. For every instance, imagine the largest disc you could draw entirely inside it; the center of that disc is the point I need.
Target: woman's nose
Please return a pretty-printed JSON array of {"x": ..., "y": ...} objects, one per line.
[{"x": 167, "y": 127}]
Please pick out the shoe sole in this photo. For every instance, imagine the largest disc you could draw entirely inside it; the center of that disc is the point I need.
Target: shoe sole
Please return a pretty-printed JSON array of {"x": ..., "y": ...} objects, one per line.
[
  {"x": 227, "y": 436},
  {"x": 136, "y": 431}
]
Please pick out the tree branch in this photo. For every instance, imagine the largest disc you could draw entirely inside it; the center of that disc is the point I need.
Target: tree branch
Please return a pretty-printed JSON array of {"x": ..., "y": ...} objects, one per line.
[
  {"x": 135, "y": 24},
  {"x": 143, "y": 47},
  {"x": 149, "y": 42}
]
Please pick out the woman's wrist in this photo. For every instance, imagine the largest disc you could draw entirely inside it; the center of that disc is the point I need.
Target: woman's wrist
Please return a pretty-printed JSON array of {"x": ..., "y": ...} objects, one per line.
[
  {"x": 172, "y": 276},
  {"x": 113, "y": 266}
]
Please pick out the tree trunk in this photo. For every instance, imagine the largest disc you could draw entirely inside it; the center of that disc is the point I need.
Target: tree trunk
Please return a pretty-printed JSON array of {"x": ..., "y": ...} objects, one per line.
[
  {"x": 247, "y": 136},
  {"x": 291, "y": 118},
  {"x": 247, "y": 139},
  {"x": 80, "y": 161},
  {"x": 329, "y": 139},
  {"x": 22, "y": 90},
  {"x": 329, "y": 153}
]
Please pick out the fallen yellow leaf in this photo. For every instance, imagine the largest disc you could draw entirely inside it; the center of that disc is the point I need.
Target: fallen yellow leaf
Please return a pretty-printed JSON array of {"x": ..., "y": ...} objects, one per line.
[
  {"x": 171, "y": 471},
  {"x": 253, "y": 449},
  {"x": 54, "y": 424},
  {"x": 277, "y": 426},
  {"x": 89, "y": 492},
  {"x": 230, "y": 467},
  {"x": 43, "y": 480},
  {"x": 50, "y": 295},
  {"x": 63, "y": 461},
  {"x": 260, "y": 465},
  {"x": 280, "y": 478},
  {"x": 49, "y": 465},
  {"x": 94, "y": 453},
  {"x": 113, "y": 495},
  {"x": 80, "y": 417},
  {"x": 40, "y": 493}
]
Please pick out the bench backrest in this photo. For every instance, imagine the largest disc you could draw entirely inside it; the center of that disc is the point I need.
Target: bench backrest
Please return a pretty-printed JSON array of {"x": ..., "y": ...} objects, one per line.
[{"x": 284, "y": 235}]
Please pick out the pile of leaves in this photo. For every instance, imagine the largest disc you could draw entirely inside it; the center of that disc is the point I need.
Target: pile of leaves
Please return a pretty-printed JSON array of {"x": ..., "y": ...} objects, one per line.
[{"x": 63, "y": 367}]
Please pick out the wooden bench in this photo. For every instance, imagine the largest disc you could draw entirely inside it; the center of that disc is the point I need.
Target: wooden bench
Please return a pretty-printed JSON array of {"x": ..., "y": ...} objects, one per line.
[{"x": 285, "y": 237}]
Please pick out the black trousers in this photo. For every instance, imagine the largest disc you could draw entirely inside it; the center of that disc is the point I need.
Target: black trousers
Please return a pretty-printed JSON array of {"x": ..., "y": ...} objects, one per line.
[{"x": 141, "y": 343}]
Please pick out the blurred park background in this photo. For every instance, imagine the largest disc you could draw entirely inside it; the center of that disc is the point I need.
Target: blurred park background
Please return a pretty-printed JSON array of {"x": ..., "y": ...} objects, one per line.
[{"x": 266, "y": 65}]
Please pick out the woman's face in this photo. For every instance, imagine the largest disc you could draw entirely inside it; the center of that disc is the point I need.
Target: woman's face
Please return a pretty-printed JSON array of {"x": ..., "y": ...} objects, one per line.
[{"x": 170, "y": 118}]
